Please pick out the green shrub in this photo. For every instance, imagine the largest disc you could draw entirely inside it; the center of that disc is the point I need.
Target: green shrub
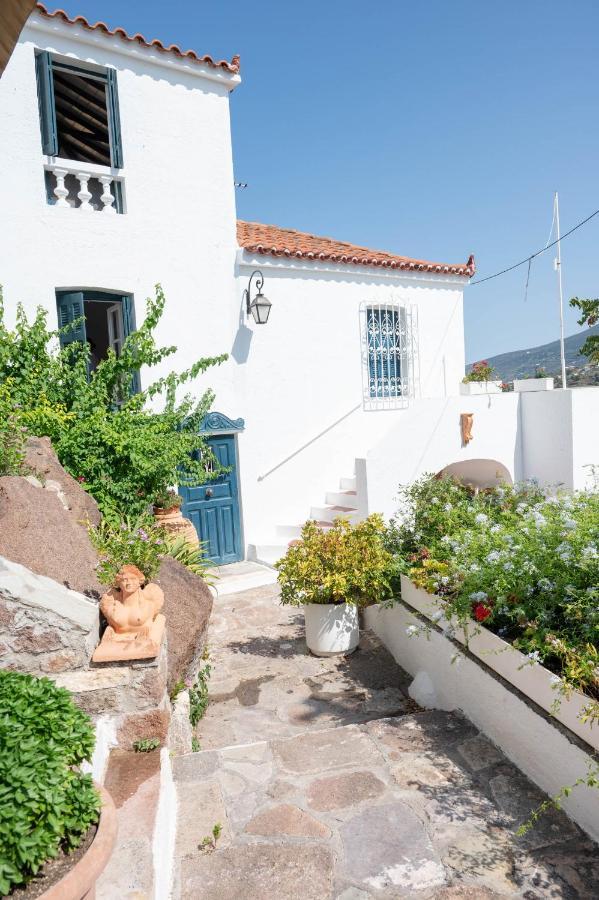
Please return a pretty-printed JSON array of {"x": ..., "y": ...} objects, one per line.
[
  {"x": 525, "y": 564},
  {"x": 192, "y": 556},
  {"x": 198, "y": 693},
  {"x": 136, "y": 542},
  {"x": 46, "y": 804},
  {"x": 343, "y": 564},
  {"x": 12, "y": 436},
  {"x": 121, "y": 448},
  {"x": 481, "y": 371}
]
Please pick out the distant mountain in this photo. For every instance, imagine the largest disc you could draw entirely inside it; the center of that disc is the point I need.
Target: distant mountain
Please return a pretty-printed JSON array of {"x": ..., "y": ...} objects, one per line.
[{"x": 522, "y": 363}]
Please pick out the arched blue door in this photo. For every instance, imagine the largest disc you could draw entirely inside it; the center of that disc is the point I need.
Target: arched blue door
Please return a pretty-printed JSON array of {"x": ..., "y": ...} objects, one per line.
[{"x": 214, "y": 507}]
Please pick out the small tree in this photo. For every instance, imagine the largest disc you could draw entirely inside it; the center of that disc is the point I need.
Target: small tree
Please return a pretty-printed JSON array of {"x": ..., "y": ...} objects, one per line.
[
  {"x": 123, "y": 451},
  {"x": 590, "y": 317}
]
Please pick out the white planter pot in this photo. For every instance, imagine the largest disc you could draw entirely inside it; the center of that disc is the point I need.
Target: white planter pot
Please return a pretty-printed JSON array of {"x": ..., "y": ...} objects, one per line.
[
  {"x": 474, "y": 388},
  {"x": 533, "y": 384},
  {"x": 331, "y": 628},
  {"x": 533, "y": 680}
]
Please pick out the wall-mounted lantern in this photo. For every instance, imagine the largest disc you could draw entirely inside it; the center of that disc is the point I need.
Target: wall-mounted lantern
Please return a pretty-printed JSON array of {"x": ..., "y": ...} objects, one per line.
[{"x": 259, "y": 307}]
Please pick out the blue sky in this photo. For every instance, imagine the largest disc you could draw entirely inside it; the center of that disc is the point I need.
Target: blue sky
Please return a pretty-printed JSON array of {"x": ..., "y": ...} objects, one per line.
[{"x": 431, "y": 129}]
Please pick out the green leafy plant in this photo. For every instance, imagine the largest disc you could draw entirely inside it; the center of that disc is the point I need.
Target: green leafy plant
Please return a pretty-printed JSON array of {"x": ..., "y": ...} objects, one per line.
[
  {"x": 523, "y": 563},
  {"x": 46, "y": 804},
  {"x": 481, "y": 371},
  {"x": 138, "y": 542},
  {"x": 590, "y": 317},
  {"x": 343, "y": 564},
  {"x": 198, "y": 694},
  {"x": 122, "y": 449},
  {"x": 208, "y": 843},
  {"x": 195, "y": 745},
  {"x": 146, "y": 745},
  {"x": 167, "y": 499},
  {"x": 192, "y": 556},
  {"x": 177, "y": 688},
  {"x": 13, "y": 435}
]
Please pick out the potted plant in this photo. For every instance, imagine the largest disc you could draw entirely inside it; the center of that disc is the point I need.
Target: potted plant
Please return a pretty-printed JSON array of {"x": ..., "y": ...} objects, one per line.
[
  {"x": 167, "y": 513},
  {"x": 331, "y": 573},
  {"x": 480, "y": 380},
  {"x": 50, "y": 809},
  {"x": 167, "y": 503},
  {"x": 540, "y": 381}
]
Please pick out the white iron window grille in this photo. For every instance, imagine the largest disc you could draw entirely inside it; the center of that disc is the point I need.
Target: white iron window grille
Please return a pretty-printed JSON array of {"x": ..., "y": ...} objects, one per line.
[{"x": 389, "y": 354}]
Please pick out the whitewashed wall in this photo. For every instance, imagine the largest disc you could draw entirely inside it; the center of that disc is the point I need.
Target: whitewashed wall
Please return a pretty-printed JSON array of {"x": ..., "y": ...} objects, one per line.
[
  {"x": 300, "y": 379},
  {"x": 179, "y": 228}
]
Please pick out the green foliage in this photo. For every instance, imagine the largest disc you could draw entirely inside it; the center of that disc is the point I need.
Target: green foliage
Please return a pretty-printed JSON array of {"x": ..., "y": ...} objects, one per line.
[
  {"x": 343, "y": 564},
  {"x": 46, "y": 804},
  {"x": 192, "y": 556},
  {"x": 481, "y": 371},
  {"x": 167, "y": 499},
  {"x": 198, "y": 694},
  {"x": 146, "y": 745},
  {"x": 137, "y": 542},
  {"x": 525, "y": 564},
  {"x": 591, "y": 779},
  {"x": 209, "y": 842},
  {"x": 195, "y": 745},
  {"x": 590, "y": 317},
  {"x": 176, "y": 690},
  {"x": 124, "y": 451},
  {"x": 12, "y": 435}
]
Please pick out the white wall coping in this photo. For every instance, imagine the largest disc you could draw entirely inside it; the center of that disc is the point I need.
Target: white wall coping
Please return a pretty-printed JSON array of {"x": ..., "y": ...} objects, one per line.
[
  {"x": 146, "y": 55},
  {"x": 23, "y": 586},
  {"x": 291, "y": 265}
]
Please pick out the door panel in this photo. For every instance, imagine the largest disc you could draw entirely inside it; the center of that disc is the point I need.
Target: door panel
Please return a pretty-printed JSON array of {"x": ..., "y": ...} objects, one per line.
[{"x": 214, "y": 507}]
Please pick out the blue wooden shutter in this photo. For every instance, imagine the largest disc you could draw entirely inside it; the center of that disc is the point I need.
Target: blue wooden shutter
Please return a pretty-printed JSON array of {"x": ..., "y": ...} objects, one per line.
[
  {"x": 114, "y": 120},
  {"x": 70, "y": 307},
  {"x": 128, "y": 310},
  {"x": 45, "y": 99}
]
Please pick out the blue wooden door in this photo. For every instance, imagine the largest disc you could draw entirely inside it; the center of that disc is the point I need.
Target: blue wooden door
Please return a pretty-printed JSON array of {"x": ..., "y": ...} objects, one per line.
[{"x": 214, "y": 507}]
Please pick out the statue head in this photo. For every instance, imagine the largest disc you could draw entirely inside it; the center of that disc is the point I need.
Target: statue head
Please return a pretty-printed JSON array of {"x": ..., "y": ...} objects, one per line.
[{"x": 129, "y": 579}]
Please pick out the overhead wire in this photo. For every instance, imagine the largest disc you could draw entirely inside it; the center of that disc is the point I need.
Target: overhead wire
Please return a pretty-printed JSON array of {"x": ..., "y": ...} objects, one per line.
[{"x": 528, "y": 259}]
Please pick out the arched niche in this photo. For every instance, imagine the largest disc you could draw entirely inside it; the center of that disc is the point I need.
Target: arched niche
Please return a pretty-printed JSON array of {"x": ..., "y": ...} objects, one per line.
[{"x": 480, "y": 473}]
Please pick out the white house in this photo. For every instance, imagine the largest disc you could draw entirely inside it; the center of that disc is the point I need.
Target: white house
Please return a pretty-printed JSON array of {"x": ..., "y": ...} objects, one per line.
[{"x": 119, "y": 174}]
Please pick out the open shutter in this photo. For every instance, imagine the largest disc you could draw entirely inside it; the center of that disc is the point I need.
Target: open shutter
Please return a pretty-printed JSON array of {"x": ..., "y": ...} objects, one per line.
[
  {"x": 128, "y": 309},
  {"x": 114, "y": 120},
  {"x": 70, "y": 307},
  {"x": 45, "y": 97}
]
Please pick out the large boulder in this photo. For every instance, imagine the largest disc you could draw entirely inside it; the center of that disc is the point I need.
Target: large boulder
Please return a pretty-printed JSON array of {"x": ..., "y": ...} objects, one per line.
[
  {"x": 187, "y": 607},
  {"x": 38, "y": 532},
  {"x": 42, "y": 460}
]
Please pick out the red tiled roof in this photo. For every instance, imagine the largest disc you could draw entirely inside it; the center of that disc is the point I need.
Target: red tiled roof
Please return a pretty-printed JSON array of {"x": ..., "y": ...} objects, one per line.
[
  {"x": 274, "y": 241},
  {"x": 232, "y": 66}
]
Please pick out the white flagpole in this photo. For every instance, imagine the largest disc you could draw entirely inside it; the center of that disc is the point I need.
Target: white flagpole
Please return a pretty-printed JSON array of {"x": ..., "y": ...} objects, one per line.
[{"x": 558, "y": 267}]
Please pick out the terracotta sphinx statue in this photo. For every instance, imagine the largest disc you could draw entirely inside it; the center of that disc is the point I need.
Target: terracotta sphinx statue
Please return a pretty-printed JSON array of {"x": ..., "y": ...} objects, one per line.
[
  {"x": 135, "y": 624},
  {"x": 466, "y": 422}
]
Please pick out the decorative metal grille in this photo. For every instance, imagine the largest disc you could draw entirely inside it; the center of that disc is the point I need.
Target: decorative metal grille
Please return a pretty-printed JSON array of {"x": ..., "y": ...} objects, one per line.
[{"x": 389, "y": 355}]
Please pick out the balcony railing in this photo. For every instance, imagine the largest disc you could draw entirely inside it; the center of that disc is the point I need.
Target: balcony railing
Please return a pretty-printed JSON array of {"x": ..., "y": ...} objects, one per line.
[{"x": 84, "y": 186}]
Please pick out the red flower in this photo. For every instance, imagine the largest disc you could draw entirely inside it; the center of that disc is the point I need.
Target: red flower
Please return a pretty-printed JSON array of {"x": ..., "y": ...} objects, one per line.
[
  {"x": 81, "y": 479},
  {"x": 482, "y": 612}
]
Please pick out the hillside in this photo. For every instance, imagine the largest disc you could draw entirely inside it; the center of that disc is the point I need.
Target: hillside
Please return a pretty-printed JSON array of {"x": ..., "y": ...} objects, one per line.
[{"x": 520, "y": 363}]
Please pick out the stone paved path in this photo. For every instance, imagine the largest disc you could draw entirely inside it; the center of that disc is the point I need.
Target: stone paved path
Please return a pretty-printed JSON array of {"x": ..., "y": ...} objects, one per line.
[{"x": 330, "y": 783}]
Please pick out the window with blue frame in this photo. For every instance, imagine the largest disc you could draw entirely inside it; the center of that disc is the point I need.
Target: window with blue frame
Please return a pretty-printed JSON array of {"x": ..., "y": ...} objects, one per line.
[
  {"x": 104, "y": 321},
  {"x": 384, "y": 343}
]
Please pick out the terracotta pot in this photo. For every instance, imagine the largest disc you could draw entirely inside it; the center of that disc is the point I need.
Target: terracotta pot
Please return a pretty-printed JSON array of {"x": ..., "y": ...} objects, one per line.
[
  {"x": 80, "y": 882},
  {"x": 175, "y": 524},
  {"x": 173, "y": 512}
]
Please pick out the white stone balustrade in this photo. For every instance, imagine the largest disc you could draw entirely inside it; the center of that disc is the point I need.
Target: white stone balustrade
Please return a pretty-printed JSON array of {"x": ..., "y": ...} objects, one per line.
[{"x": 95, "y": 184}]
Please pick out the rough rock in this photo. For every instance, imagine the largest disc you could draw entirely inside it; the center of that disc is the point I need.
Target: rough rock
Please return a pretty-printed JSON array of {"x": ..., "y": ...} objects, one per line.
[
  {"x": 340, "y": 791},
  {"x": 38, "y": 532},
  {"x": 143, "y": 726},
  {"x": 286, "y": 819},
  {"x": 42, "y": 459},
  {"x": 259, "y": 870},
  {"x": 187, "y": 607}
]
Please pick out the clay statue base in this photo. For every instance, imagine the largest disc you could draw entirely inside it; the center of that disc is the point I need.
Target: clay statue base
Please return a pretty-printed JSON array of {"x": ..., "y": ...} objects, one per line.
[{"x": 122, "y": 647}]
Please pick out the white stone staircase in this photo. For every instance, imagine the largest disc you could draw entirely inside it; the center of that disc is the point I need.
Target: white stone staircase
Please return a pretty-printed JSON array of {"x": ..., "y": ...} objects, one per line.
[{"x": 342, "y": 502}]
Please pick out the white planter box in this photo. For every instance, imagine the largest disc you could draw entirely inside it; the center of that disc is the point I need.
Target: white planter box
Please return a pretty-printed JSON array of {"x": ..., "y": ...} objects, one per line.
[
  {"x": 475, "y": 388},
  {"x": 547, "y": 752},
  {"x": 331, "y": 628},
  {"x": 533, "y": 384},
  {"x": 533, "y": 679}
]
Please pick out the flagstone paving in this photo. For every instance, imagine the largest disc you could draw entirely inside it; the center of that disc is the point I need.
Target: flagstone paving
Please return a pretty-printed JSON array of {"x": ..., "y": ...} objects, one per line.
[{"x": 329, "y": 782}]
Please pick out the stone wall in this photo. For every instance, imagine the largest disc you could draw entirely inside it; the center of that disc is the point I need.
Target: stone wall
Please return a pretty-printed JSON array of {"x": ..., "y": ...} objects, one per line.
[{"x": 44, "y": 627}]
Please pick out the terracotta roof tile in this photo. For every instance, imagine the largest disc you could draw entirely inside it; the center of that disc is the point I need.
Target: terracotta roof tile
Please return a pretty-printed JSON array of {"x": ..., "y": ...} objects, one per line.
[
  {"x": 271, "y": 240},
  {"x": 232, "y": 66}
]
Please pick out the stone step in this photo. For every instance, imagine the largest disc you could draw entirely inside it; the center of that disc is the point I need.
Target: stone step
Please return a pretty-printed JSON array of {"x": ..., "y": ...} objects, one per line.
[
  {"x": 258, "y": 576},
  {"x": 341, "y": 498},
  {"x": 293, "y": 532},
  {"x": 348, "y": 484},
  {"x": 267, "y": 554},
  {"x": 330, "y": 513}
]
